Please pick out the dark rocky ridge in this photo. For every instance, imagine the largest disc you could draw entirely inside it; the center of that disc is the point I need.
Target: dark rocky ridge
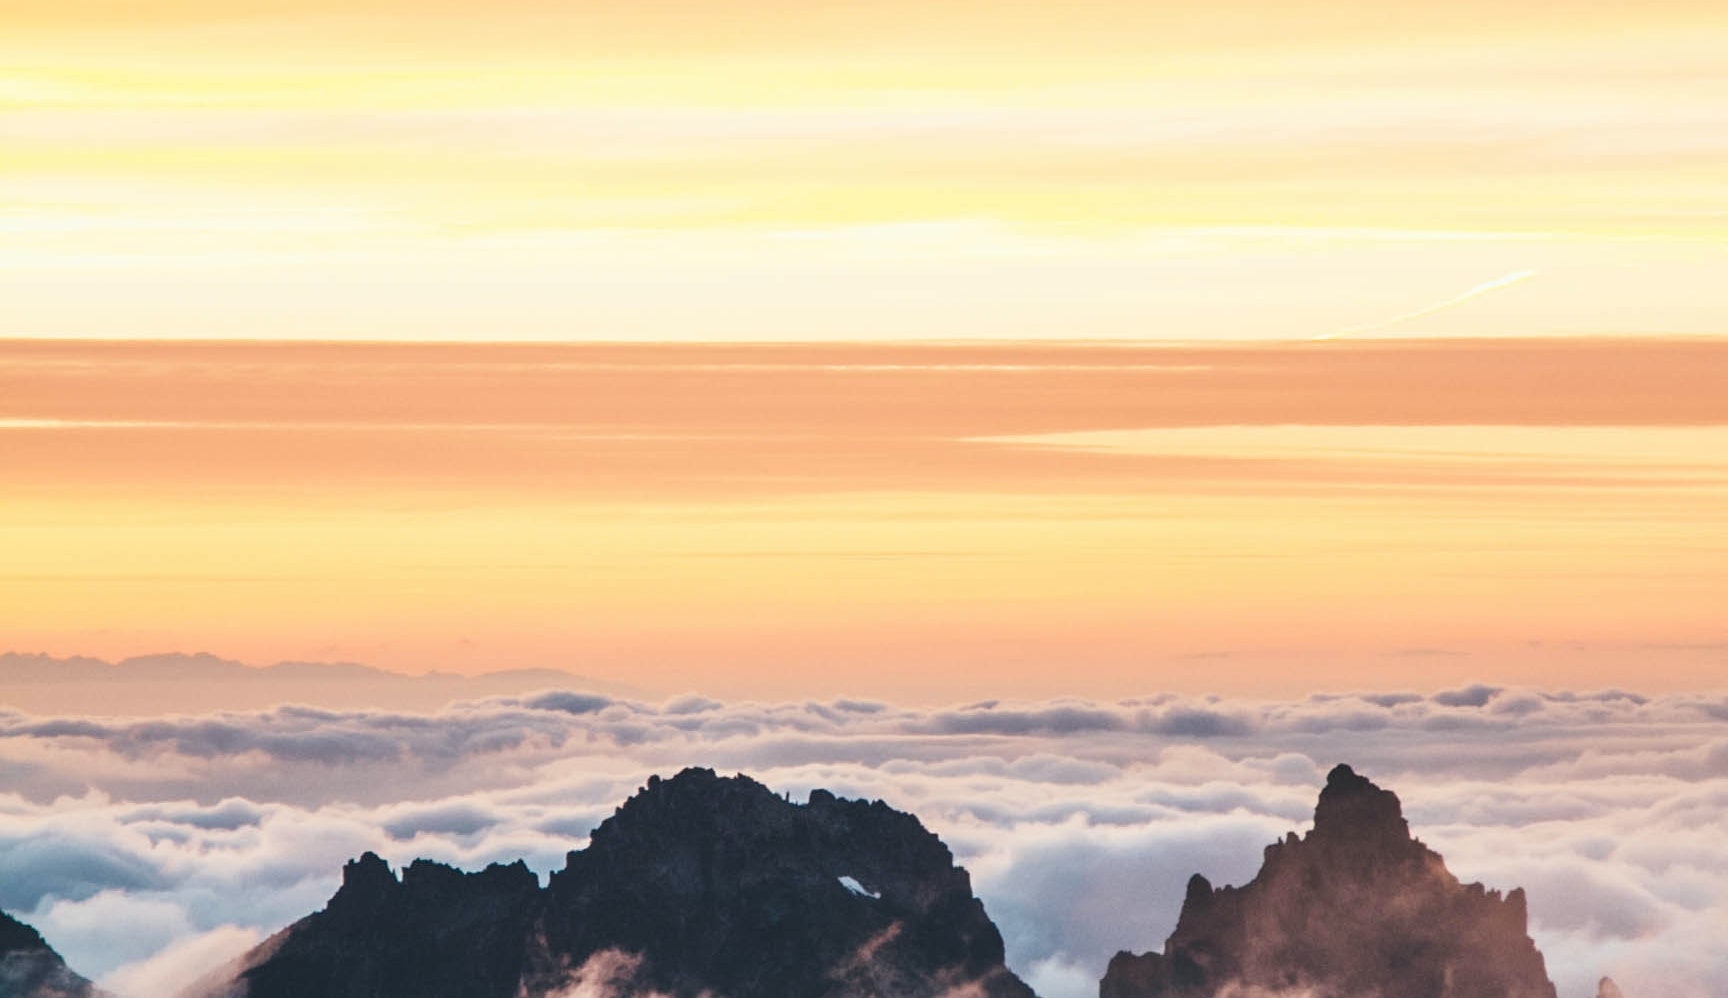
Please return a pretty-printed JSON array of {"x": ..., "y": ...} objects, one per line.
[
  {"x": 1357, "y": 908},
  {"x": 698, "y": 885},
  {"x": 29, "y": 967},
  {"x": 436, "y": 931}
]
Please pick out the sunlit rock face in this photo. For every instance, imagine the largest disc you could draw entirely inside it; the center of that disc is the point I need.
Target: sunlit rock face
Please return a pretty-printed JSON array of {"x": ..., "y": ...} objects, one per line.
[
  {"x": 1357, "y": 908},
  {"x": 29, "y": 968},
  {"x": 698, "y": 885}
]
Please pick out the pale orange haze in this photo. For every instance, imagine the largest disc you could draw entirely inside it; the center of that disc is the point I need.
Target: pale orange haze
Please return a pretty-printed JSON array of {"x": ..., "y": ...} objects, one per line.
[
  {"x": 908, "y": 520},
  {"x": 907, "y": 349}
]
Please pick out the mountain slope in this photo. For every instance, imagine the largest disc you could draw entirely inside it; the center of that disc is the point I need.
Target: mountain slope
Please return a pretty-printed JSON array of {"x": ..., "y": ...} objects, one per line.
[
  {"x": 698, "y": 885},
  {"x": 29, "y": 968},
  {"x": 719, "y": 884},
  {"x": 1357, "y": 908}
]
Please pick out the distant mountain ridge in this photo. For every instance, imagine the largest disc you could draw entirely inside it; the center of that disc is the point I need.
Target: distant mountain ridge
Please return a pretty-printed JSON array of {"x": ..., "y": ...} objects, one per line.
[{"x": 183, "y": 683}]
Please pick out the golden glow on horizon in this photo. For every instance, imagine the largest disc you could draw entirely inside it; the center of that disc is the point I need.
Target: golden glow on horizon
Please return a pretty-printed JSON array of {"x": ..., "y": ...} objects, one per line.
[
  {"x": 728, "y": 596},
  {"x": 783, "y": 520}
]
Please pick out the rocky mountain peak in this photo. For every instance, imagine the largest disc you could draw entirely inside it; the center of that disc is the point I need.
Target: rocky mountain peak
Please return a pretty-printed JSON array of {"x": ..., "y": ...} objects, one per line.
[
  {"x": 1353, "y": 809},
  {"x": 367, "y": 883},
  {"x": 1361, "y": 830},
  {"x": 719, "y": 883},
  {"x": 694, "y": 803},
  {"x": 696, "y": 885},
  {"x": 1357, "y": 908}
]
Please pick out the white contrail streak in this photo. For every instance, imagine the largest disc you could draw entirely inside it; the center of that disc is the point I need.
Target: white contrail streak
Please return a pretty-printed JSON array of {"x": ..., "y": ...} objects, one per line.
[{"x": 1458, "y": 299}]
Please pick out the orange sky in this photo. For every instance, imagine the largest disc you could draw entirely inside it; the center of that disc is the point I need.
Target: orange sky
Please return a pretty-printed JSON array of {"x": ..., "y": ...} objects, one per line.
[
  {"x": 909, "y": 520},
  {"x": 921, "y": 349}
]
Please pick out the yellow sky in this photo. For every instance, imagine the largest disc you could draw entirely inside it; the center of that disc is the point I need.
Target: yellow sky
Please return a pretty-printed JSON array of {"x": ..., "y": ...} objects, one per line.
[
  {"x": 1529, "y": 201},
  {"x": 836, "y": 171}
]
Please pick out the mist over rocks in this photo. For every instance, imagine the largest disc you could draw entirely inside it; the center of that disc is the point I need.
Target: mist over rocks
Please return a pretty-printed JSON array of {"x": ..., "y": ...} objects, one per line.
[
  {"x": 697, "y": 885},
  {"x": 1357, "y": 908},
  {"x": 1079, "y": 820},
  {"x": 29, "y": 967}
]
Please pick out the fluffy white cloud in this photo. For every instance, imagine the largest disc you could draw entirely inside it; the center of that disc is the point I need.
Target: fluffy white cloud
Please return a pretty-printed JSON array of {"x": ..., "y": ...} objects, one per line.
[{"x": 147, "y": 850}]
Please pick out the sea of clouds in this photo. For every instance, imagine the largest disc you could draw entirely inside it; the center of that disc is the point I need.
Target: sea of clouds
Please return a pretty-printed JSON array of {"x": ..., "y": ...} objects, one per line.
[{"x": 150, "y": 850}]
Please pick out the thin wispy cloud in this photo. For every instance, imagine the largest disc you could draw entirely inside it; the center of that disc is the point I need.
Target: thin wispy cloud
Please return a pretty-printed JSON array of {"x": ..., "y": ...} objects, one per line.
[{"x": 1486, "y": 287}]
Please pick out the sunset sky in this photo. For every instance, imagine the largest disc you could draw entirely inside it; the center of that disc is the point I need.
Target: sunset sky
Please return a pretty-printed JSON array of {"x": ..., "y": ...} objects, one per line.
[
  {"x": 905, "y": 349},
  {"x": 1082, "y": 423}
]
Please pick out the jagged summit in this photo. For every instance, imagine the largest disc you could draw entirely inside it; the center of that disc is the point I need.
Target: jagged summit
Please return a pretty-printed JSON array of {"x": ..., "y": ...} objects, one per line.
[
  {"x": 364, "y": 881},
  {"x": 1357, "y": 908},
  {"x": 697, "y": 885},
  {"x": 704, "y": 886},
  {"x": 29, "y": 967},
  {"x": 718, "y": 883},
  {"x": 1353, "y": 810}
]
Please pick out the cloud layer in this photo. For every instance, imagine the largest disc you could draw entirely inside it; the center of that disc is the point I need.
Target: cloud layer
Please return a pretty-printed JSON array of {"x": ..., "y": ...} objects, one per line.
[{"x": 148, "y": 850}]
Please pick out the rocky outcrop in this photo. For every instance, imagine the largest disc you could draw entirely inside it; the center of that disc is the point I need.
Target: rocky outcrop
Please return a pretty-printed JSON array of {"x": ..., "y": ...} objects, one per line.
[
  {"x": 1357, "y": 908},
  {"x": 698, "y": 885},
  {"x": 437, "y": 932},
  {"x": 719, "y": 884},
  {"x": 29, "y": 967}
]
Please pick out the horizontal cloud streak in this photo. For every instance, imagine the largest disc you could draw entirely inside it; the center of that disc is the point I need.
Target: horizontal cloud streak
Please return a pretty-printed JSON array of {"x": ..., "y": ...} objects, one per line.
[{"x": 448, "y": 504}]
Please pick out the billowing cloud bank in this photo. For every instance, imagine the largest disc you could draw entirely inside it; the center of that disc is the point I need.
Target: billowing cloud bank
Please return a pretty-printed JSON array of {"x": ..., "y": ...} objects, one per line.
[{"x": 147, "y": 850}]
